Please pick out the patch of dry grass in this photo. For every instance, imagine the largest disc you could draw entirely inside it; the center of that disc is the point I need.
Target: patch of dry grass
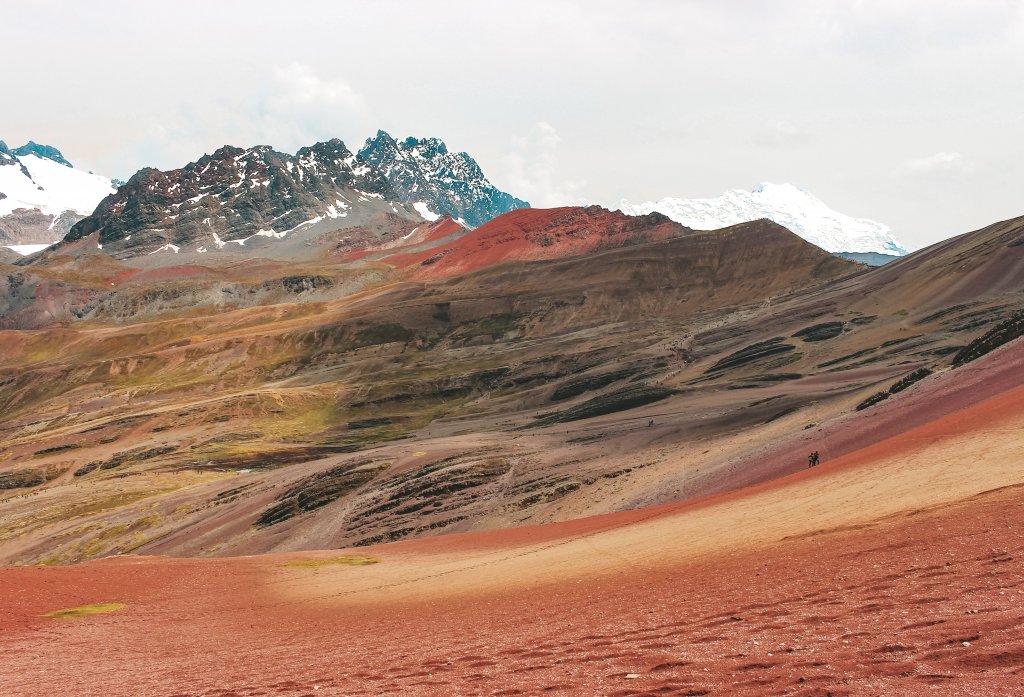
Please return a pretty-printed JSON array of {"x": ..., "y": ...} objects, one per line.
[
  {"x": 71, "y": 613},
  {"x": 333, "y": 561}
]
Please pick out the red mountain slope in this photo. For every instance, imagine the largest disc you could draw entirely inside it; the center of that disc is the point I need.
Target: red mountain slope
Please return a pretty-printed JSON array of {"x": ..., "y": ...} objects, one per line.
[{"x": 531, "y": 234}]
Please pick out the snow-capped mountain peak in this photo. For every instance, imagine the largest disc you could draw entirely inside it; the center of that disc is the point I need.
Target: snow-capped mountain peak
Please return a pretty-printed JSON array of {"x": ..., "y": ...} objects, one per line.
[
  {"x": 786, "y": 204},
  {"x": 42, "y": 194}
]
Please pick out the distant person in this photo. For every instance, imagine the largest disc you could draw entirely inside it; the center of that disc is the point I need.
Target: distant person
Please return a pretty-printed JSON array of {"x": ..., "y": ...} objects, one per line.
[
  {"x": 650, "y": 423},
  {"x": 813, "y": 459},
  {"x": 810, "y": 461}
]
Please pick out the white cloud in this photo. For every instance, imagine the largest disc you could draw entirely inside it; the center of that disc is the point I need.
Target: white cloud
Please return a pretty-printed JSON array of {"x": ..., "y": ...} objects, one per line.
[
  {"x": 288, "y": 107},
  {"x": 296, "y": 85},
  {"x": 941, "y": 163},
  {"x": 531, "y": 169},
  {"x": 299, "y": 107},
  {"x": 779, "y": 134},
  {"x": 660, "y": 98}
]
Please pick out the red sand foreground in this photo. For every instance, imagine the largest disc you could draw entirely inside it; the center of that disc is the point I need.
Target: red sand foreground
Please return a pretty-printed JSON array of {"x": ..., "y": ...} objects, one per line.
[{"x": 894, "y": 570}]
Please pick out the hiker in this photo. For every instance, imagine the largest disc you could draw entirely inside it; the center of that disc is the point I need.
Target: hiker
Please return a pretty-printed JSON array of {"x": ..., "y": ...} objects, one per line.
[
  {"x": 810, "y": 461},
  {"x": 650, "y": 423}
]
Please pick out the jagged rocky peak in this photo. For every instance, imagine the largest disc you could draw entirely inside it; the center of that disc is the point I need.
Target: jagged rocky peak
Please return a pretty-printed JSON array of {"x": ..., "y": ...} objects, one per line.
[
  {"x": 437, "y": 182},
  {"x": 47, "y": 152},
  {"x": 429, "y": 147},
  {"x": 9, "y": 158},
  {"x": 236, "y": 194}
]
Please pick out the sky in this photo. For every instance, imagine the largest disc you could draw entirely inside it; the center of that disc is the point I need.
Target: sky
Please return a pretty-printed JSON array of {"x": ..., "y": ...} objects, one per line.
[{"x": 909, "y": 113}]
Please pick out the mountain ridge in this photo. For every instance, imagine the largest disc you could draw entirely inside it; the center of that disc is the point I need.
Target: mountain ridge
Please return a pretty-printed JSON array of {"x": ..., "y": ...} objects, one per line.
[
  {"x": 235, "y": 195},
  {"x": 785, "y": 204}
]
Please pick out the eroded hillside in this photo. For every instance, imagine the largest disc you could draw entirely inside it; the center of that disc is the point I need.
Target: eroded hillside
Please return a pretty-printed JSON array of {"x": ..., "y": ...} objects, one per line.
[{"x": 346, "y": 402}]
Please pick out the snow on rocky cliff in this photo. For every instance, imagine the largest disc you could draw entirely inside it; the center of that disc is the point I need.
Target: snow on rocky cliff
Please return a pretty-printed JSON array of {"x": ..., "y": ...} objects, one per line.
[{"x": 438, "y": 182}]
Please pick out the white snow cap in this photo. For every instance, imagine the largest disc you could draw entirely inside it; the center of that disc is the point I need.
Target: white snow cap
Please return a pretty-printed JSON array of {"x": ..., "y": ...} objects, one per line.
[
  {"x": 53, "y": 188},
  {"x": 785, "y": 204}
]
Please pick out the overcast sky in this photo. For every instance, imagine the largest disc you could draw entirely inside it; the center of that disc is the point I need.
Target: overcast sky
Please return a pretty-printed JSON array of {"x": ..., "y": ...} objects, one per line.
[{"x": 910, "y": 113}]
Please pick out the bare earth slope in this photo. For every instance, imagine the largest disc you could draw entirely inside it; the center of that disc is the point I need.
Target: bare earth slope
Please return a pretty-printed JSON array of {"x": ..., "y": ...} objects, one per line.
[
  {"x": 419, "y": 408},
  {"x": 571, "y": 459},
  {"x": 334, "y": 405},
  {"x": 893, "y": 570}
]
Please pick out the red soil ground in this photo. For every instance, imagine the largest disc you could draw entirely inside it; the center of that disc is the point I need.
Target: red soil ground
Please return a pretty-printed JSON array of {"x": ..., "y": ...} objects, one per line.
[
  {"x": 533, "y": 234},
  {"x": 422, "y": 235},
  {"x": 894, "y": 570},
  {"x": 437, "y": 231},
  {"x": 929, "y": 402}
]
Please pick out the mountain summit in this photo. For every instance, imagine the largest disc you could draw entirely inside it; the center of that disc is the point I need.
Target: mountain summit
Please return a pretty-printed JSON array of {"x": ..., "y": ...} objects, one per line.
[
  {"x": 47, "y": 152},
  {"x": 785, "y": 204},
  {"x": 437, "y": 182}
]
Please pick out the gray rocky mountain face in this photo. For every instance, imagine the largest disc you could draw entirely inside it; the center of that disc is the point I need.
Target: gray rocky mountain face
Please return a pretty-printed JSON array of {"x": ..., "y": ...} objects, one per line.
[
  {"x": 231, "y": 195},
  {"x": 424, "y": 171},
  {"x": 237, "y": 194},
  {"x": 30, "y": 226}
]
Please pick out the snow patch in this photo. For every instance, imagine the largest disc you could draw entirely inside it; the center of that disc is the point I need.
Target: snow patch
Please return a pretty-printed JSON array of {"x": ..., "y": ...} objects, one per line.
[
  {"x": 167, "y": 248},
  {"x": 26, "y": 249},
  {"x": 312, "y": 221},
  {"x": 425, "y": 212}
]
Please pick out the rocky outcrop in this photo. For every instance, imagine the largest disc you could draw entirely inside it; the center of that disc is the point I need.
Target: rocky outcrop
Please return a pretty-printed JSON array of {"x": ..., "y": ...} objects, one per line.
[
  {"x": 31, "y": 226},
  {"x": 47, "y": 152}
]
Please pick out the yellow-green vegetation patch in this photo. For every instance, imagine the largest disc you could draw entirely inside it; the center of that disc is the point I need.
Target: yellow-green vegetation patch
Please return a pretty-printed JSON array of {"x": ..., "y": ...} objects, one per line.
[
  {"x": 73, "y": 544},
  {"x": 333, "y": 561},
  {"x": 71, "y": 613}
]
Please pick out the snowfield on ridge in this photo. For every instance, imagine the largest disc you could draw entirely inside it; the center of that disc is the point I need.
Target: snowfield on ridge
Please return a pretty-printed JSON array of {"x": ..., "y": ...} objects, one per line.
[{"x": 789, "y": 206}]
